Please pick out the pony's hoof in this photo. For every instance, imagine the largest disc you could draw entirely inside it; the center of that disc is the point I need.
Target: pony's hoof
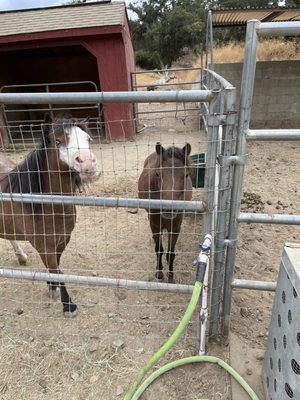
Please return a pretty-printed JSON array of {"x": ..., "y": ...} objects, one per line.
[
  {"x": 171, "y": 278},
  {"x": 22, "y": 258},
  {"x": 54, "y": 292},
  {"x": 159, "y": 275},
  {"x": 70, "y": 310}
]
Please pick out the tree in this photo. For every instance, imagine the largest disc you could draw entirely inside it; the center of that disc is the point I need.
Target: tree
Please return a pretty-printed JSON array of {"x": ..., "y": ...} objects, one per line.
[{"x": 167, "y": 27}]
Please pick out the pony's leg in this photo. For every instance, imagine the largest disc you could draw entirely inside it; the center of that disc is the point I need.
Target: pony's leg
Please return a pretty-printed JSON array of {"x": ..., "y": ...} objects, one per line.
[
  {"x": 156, "y": 228},
  {"x": 172, "y": 240},
  {"x": 22, "y": 256},
  {"x": 54, "y": 287},
  {"x": 159, "y": 253},
  {"x": 51, "y": 262}
]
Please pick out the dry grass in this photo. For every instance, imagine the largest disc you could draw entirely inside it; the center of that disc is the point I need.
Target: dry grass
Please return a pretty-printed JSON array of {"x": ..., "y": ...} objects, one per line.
[{"x": 268, "y": 50}]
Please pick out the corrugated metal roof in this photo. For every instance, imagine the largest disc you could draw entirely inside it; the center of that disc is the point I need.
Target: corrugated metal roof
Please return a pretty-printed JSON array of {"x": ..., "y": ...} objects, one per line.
[
  {"x": 63, "y": 17},
  {"x": 239, "y": 17}
]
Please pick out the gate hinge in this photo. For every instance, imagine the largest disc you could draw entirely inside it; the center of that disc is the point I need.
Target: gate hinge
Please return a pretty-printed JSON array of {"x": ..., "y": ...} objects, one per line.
[{"x": 225, "y": 161}]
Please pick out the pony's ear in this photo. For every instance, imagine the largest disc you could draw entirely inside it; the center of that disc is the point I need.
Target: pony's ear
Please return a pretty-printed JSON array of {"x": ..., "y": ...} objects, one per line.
[
  {"x": 159, "y": 149},
  {"x": 84, "y": 123},
  {"x": 47, "y": 123},
  {"x": 46, "y": 126},
  {"x": 85, "y": 120},
  {"x": 187, "y": 149},
  {"x": 47, "y": 119}
]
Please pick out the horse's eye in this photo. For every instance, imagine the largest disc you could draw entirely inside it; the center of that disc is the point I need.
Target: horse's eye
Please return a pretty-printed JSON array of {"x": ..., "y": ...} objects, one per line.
[
  {"x": 57, "y": 142},
  {"x": 187, "y": 175},
  {"x": 156, "y": 173}
]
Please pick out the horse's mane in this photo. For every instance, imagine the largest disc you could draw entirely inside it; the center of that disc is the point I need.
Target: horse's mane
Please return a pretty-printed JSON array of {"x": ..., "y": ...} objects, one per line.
[
  {"x": 27, "y": 177},
  {"x": 175, "y": 152}
]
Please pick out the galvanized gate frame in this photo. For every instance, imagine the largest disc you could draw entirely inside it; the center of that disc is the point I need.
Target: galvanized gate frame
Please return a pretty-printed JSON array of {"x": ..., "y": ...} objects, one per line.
[
  {"x": 254, "y": 30},
  {"x": 97, "y": 98}
]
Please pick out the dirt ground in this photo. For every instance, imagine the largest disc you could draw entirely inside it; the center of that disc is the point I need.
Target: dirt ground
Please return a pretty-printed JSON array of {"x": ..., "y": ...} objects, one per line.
[{"x": 98, "y": 354}]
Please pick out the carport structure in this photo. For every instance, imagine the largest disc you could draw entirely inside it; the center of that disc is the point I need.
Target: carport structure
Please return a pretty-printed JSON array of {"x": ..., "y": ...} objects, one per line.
[{"x": 79, "y": 47}]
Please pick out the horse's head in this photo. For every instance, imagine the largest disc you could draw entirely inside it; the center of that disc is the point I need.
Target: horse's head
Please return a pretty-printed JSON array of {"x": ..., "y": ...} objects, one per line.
[
  {"x": 72, "y": 142},
  {"x": 173, "y": 175}
]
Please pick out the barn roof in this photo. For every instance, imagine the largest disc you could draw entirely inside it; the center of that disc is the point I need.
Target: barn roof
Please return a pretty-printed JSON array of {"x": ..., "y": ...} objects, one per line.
[
  {"x": 239, "y": 17},
  {"x": 48, "y": 19}
]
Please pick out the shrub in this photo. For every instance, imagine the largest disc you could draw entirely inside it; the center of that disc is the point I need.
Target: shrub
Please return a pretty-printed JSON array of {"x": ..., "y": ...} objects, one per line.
[{"x": 147, "y": 60}]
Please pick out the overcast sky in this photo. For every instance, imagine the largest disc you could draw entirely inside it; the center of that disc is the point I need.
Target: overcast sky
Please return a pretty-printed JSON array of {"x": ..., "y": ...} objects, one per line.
[{"x": 22, "y": 4}]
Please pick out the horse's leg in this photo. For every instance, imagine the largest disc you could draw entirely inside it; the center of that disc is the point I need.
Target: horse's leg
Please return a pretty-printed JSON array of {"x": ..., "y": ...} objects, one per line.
[
  {"x": 159, "y": 253},
  {"x": 156, "y": 232},
  {"x": 54, "y": 287},
  {"x": 51, "y": 262},
  {"x": 172, "y": 240},
  {"x": 22, "y": 256}
]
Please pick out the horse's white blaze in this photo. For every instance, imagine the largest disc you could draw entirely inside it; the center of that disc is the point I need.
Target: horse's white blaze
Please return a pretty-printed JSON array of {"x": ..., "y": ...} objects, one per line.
[{"x": 78, "y": 154}]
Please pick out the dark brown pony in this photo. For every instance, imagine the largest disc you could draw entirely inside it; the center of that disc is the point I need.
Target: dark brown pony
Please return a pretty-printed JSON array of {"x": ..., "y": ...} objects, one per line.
[
  {"x": 61, "y": 165},
  {"x": 166, "y": 176}
]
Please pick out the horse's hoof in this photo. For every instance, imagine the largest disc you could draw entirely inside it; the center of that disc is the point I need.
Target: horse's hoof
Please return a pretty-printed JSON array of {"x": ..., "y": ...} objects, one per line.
[
  {"x": 54, "y": 292},
  {"x": 69, "y": 314},
  {"x": 22, "y": 258},
  {"x": 159, "y": 275},
  {"x": 171, "y": 278},
  {"x": 70, "y": 310}
]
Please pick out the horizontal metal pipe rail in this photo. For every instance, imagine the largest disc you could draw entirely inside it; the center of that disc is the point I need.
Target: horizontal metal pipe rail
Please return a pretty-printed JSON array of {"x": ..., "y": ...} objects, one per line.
[
  {"x": 196, "y": 206},
  {"x": 165, "y": 84},
  {"x": 222, "y": 81},
  {"x": 107, "y": 97},
  {"x": 175, "y": 110},
  {"x": 273, "y": 134},
  {"x": 290, "y": 28},
  {"x": 255, "y": 285},
  {"x": 164, "y": 70},
  {"x": 269, "y": 219},
  {"x": 95, "y": 281}
]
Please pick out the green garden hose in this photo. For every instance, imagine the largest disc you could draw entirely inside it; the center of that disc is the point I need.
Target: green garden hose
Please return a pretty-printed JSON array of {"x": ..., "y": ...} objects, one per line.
[
  {"x": 169, "y": 343},
  {"x": 136, "y": 391},
  {"x": 190, "y": 360}
]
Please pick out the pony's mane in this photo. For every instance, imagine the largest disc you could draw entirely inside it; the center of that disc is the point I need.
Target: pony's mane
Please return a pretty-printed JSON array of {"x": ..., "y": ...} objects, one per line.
[
  {"x": 63, "y": 122},
  {"x": 27, "y": 177},
  {"x": 176, "y": 152}
]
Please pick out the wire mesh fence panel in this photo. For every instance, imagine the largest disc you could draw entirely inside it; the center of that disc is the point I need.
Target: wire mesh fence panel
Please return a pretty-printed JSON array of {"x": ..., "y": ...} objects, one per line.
[{"x": 116, "y": 330}]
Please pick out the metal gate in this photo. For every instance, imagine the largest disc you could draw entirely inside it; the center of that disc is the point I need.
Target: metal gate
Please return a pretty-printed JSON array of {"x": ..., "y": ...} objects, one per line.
[
  {"x": 31, "y": 117},
  {"x": 255, "y": 29}
]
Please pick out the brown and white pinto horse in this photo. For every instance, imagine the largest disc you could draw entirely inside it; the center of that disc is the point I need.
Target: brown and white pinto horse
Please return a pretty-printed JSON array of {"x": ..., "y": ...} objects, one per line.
[
  {"x": 166, "y": 176},
  {"x": 61, "y": 165}
]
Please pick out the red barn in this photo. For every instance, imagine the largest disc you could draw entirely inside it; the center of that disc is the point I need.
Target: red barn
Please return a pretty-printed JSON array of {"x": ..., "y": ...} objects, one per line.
[{"x": 69, "y": 48}]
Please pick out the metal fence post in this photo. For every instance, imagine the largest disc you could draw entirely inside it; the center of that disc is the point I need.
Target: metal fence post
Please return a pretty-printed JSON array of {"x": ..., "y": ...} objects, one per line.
[
  {"x": 213, "y": 122},
  {"x": 225, "y": 179},
  {"x": 246, "y": 95}
]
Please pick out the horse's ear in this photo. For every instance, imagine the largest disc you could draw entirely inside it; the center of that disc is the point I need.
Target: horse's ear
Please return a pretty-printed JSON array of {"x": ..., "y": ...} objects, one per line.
[
  {"x": 47, "y": 124},
  {"x": 85, "y": 120},
  {"x": 84, "y": 123},
  {"x": 159, "y": 149},
  {"x": 187, "y": 149},
  {"x": 47, "y": 119}
]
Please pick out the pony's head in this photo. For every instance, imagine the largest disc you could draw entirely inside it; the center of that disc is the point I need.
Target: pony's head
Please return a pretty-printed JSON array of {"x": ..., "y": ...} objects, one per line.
[
  {"x": 72, "y": 142},
  {"x": 173, "y": 175}
]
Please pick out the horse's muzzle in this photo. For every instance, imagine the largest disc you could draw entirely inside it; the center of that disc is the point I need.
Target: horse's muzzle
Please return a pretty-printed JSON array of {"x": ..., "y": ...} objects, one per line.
[{"x": 86, "y": 166}]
